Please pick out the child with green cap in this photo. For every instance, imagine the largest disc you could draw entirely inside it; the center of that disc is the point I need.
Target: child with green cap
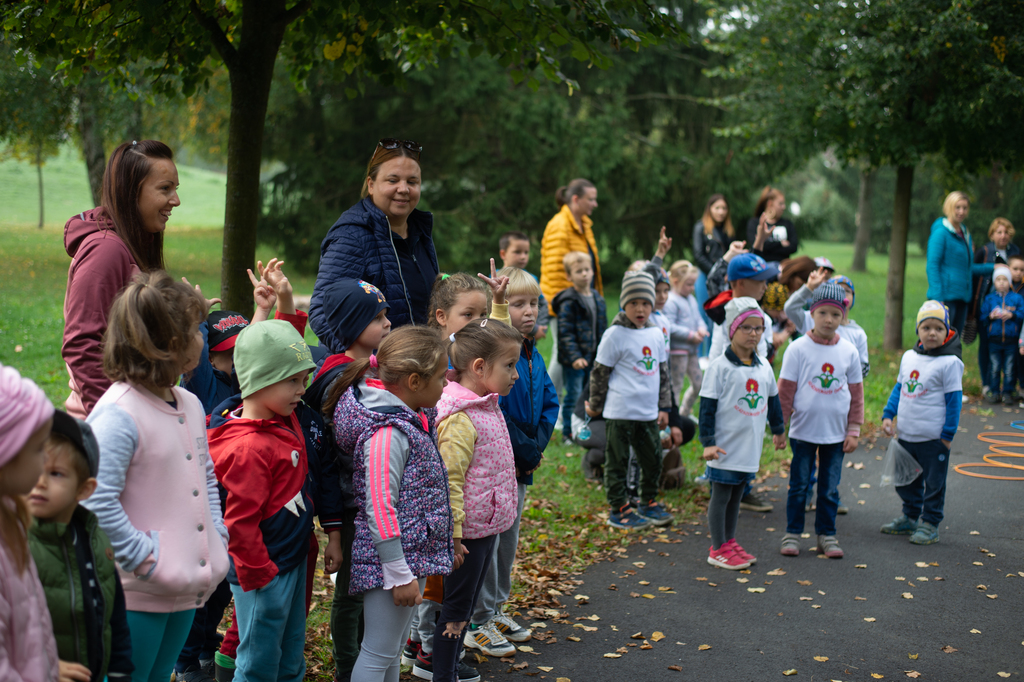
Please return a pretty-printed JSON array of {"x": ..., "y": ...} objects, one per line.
[{"x": 259, "y": 454}]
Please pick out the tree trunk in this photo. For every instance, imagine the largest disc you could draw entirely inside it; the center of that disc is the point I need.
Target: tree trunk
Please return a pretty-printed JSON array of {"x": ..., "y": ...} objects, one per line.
[
  {"x": 250, "y": 72},
  {"x": 91, "y": 134},
  {"x": 39, "y": 172},
  {"x": 893, "y": 332},
  {"x": 865, "y": 222}
]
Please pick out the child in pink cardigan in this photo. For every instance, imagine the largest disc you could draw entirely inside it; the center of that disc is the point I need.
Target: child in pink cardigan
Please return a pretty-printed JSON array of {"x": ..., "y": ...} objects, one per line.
[
  {"x": 475, "y": 445},
  {"x": 27, "y": 648}
]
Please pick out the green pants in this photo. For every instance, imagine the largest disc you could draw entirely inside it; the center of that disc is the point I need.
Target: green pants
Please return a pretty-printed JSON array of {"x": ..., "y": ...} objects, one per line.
[
  {"x": 643, "y": 436},
  {"x": 346, "y": 609}
]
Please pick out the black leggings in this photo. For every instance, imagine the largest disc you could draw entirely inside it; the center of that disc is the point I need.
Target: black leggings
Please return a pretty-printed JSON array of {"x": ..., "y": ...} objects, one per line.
[
  {"x": 724, "y": 512},
  {"x": 461, "y": 589}
]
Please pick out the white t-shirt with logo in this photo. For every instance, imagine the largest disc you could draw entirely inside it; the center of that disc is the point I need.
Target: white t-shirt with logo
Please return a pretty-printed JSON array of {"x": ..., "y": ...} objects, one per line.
[
  {"x": 742, "y": 393},
  {"x": 660, "y": 320},
  {"x": 924, "y": 382},
  {"x": 635, "y": 356},
  {"x": 822, "y": 375}
]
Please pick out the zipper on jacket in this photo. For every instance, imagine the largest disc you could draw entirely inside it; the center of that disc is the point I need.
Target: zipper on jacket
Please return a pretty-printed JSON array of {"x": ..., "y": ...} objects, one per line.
[
  {"x": 398, "y": 261},
  {"x": 99, "y": 590},
  {"x": 71, "y": 584}
]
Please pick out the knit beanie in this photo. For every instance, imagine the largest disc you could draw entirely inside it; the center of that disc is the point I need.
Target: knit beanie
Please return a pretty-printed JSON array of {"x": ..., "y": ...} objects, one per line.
[
  {"x": 1002, "y": 271},
  {"x": 829, "y": 294},
  {"x": 739, "y": 309},
  {"x": 23, "y": 409},
  {"x": 637, "y": 285},
  {"x": 269, "y": 352},
  {"x": 843, "y": 279},
  {"x": 349, "y": 306},
  {"x": 81, "y": 436},
  {"x": 933, "y": 310}
]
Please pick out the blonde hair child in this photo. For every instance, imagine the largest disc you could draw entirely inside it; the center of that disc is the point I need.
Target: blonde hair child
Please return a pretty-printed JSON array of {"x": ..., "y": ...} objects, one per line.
[
  {"x": 28, "y": 651},
  {"x": 687, "y": 330},
  {"x": 157, "y": 498}
]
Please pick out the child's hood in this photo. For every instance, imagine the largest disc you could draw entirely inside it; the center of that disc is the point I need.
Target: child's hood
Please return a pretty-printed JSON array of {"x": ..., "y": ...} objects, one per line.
[
  {"x": 715, "y": 308},
  {"x": 369, "y": 400},
  {"x": 565, "y": 295},
  {"x": 622, "y": 320},
  {"x": 329, "y": 370},
  {"x": 225, "y": 429},
  {"x": 457, "y": 398},
  {"x": 951, "y": 346}
]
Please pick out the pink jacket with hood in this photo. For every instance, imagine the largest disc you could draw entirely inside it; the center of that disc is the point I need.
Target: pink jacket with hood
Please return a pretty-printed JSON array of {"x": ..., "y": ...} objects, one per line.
[
  {"x": 101, "y": 265},
  {"x": 28, "y": 651},
  {"x": 490, "y": 491}
]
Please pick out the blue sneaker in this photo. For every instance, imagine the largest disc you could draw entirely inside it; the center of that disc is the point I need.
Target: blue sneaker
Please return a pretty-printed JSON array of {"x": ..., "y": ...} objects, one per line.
[
  {"x": 926, "y": 534},
  {"x": 901, "y": 526},
  {"x": 627, "y": 519},
  {"x": 656, "y": 514}
]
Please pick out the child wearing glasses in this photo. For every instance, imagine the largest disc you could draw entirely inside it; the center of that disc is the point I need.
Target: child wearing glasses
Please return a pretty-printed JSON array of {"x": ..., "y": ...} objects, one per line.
[{"x": 737, "y": 398}]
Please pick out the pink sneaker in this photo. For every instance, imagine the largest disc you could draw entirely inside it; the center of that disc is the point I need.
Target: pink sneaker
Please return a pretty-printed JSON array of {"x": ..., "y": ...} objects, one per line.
[
  {"x": 747, "y": 556},
  {"x": 726, "y": 557}
]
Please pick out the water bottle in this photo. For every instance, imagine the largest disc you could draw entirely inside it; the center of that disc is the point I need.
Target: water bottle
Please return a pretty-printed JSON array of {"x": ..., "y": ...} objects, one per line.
[
  {"x": 665, "y": 433},
  {"x": 584, "y": 433}
]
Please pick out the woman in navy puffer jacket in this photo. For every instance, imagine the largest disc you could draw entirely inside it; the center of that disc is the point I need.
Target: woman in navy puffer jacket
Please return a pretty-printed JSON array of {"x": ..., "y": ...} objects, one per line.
[{"x": 383, "y": 239}]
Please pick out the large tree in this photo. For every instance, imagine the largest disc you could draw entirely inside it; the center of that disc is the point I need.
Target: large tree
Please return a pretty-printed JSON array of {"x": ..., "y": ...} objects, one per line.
[
  {"x": 379, "y": 40},
  {"x": 883, "y": 83}
]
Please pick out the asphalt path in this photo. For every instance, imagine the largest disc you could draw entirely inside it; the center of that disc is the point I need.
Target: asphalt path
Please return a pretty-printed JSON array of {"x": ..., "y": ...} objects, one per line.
[{"x": 888, "y": 610}]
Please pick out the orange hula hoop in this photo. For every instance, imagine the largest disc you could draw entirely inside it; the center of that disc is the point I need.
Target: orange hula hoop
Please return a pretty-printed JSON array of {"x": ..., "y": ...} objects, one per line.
[{"x": 996, "y": 449}]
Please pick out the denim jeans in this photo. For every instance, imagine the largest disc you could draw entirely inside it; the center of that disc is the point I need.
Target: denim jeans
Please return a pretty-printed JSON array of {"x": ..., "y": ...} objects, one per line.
[
  {"x": 573, "y": 380},
  {"x": 830, "y": 457},
  {"x": 957, "y": 314},
  {"x": 925, "y": 497},
  {"x": 1002, "y": 358}
]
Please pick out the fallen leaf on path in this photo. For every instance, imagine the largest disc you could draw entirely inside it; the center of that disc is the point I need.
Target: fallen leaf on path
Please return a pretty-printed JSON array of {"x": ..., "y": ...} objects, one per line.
[
  {"x": 712, "y": 584},
  {"x": 805, "y": 583},
  {"x": 545, "y": 668},
  {"x": 974, "y": 532},
  {"x": 639, "y": 564},
  {"x": 757, "y": 590},
  {"x": 701, "y": 579},
  {"x": 645, "y": 582},
  {"x": 777, "y": 571},
  {"x": 664, "y": 589},
  {"x": 647, "y": 596},
  {"x": 638, "y": 635},
  {"x": 480, "y": 658},
  {"x": 977, "y": 563},
  {"x": 912, "y": 673},
  {"x": 805, "y": 535},
  {"x": 563, "y": 679},
  {"x": 613, "y": 655},
  {"x": 948, "y": 649},
  {"x": 581, "y": 597},
  {"x": 922, "y": 579},
  {"x": 646, "y": 645},
  {"x": 770, "y": 530},
  {"x": 815, "y": 606},
  {"x": 858, "y": 466},
  {"x": 745, "y": 570},
  {"x": 921, "y": 564},
  {"x": 870, "y": 620},
  {"x": 634, "y": 595},
  {"x": 790, "y": 672},
  {"x": 912, "y": 657},
  {"x": 981, "y": 587},
  {"x": 865, "y": 485},
  {"x": 806, "y": 598},
  {"x": 859, "y": 599},
  {"x": 860, "y": 566},
  {"x": 975, "y": 631},
  {"x": 938, "y": 578},
  {"x": 520, "y": 666},
  {"x": 863, "y": 501},
  {"x": 742, "y": 580},
  {"x": 877, "y": 676},
  {"x": 573, "y": 638},
  {"x": 991, "y": 596},
  {"x": 703, "y": 647},
  {"x": 594, "y": 617},
  {"x": 821, "y": 593},
  {"x": 677, "y": 668},
  {"x": 907, "y": 595},
  {"x": 821, "y": 659},
  {"x": 585, "y": 628},
  {"x": 657, "y": 636},
  {"x": 1003, "y": 674},
  {"x": 900, "y": 577},
  {"x": 526, "y": 648}
]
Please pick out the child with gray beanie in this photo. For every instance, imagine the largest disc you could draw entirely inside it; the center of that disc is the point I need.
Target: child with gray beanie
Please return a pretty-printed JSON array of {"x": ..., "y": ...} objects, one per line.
[{"x": 630, "y": 386}]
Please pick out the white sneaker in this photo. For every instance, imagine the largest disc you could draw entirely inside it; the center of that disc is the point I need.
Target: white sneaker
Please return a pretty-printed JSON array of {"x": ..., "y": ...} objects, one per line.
[
  {"x": 511, "y": 630},
  {"x": 487, "y": 639}
]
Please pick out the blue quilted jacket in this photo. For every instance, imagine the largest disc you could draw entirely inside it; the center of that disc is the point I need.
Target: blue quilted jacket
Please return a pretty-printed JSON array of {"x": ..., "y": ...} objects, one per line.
[{"x": 359, "y": 246}]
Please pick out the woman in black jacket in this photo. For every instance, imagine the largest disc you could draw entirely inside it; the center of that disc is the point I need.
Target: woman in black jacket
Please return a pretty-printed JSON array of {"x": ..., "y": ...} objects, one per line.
[
  {"x": 712, "y": 235},
  {"x": 784, "y": 240}
]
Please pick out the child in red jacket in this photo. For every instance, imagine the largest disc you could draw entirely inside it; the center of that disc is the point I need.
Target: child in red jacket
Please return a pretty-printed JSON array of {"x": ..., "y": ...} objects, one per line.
[{"x": 260, "y": 459}]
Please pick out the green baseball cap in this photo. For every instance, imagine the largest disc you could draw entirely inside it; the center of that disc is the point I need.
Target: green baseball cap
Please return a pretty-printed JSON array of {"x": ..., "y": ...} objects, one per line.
[{"x": 269, "y": 352}]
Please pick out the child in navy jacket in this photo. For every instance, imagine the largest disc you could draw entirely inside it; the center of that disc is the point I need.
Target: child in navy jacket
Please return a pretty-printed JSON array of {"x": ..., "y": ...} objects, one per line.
[{"x": 1002, "y": 312}]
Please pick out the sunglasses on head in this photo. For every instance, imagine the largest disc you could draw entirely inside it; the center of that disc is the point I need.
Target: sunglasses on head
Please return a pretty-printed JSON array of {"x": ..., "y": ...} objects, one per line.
[{"x": 395, "y": 143}]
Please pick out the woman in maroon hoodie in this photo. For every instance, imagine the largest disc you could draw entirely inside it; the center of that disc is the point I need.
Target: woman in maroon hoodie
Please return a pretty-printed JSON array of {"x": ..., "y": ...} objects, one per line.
[{"x": 108, "y": 245}]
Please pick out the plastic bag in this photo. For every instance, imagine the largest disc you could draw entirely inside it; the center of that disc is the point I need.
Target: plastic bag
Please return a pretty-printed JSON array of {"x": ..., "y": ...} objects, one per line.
[{"x": 899, "y": 466}]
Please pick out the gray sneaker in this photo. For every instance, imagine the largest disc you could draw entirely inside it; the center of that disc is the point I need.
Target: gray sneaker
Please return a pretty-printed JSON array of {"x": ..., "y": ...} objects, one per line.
[{"x": 755, "y": 503}]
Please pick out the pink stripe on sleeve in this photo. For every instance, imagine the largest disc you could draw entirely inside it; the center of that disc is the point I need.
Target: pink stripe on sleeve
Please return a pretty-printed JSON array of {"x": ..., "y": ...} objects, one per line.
[{"x": 380, "y": 460}]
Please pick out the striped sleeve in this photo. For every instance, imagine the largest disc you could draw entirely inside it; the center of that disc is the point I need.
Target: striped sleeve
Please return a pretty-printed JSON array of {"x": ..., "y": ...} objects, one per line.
[{"x": 385, "y": 453}]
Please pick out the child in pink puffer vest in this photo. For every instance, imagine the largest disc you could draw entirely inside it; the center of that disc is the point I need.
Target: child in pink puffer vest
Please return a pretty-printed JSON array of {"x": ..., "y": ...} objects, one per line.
[{"x": 475, "y": 446}]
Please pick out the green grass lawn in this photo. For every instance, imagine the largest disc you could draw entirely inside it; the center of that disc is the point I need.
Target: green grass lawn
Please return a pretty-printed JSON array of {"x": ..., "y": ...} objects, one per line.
[{"x": 562, "y": 527}]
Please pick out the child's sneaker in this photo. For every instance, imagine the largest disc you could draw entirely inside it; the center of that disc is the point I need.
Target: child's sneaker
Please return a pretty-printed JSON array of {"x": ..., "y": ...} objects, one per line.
[
  {"x": 424, "y": 669},
  {"x": 829, "y": 546},
  {"x": 790, "y": 545},
  {"x": 755, "y": 503},
  {"x": 511, "y": 630},
  {"x": 627, "y": 519},
  {"x": 655, "y": 513},
  {"x": 488, "y": 640},
  {"x": 727, "y": 557},
  {"x": 926, "y": 534},
  {"x": 1008, "y": 399},
  {"x": 410, "y": 651},
  {"x": 223, "y": 667},
  {"x": 742, "y": 552},
  {"x": 901, "y": 526}
]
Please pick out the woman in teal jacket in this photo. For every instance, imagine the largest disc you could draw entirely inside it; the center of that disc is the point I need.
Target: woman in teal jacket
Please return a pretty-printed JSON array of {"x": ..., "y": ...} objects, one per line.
[{"x": 950, "y": 260}]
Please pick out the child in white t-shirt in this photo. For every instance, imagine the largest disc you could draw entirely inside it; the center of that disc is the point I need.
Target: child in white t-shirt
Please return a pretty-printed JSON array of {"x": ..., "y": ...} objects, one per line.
[
  {"x": 630, "y": 386},
  {"x": 823, "y": 401},
  {"x": 738, "y": 397},
  {"x": 926, "y": 403},
  {"x": 849, "y": 330}
]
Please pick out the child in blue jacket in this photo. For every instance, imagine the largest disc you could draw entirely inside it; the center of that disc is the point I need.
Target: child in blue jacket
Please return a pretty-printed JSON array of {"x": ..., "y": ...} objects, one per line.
[
  {"x": 1002, "y": 312},
  {"x": 531, "y": 410}
]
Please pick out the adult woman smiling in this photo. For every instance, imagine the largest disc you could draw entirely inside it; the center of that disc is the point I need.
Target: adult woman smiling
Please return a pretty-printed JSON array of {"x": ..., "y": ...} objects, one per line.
[
  {"x": 108, "y": 245},
  {"x": 384, "y": 240},
  {"x": 998, "y": 250},
  {"x": 949, "y": 265}
]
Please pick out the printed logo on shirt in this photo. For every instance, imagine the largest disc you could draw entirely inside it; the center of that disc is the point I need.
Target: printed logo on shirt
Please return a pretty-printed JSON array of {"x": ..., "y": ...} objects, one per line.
[
  {"x": 647, "y": 363},
  {"x": 752, "y": 399},
  {"x": 827, "y": 383},
  {"x": 912, "y": 386},
  {"x": 664, "y": 332}
]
